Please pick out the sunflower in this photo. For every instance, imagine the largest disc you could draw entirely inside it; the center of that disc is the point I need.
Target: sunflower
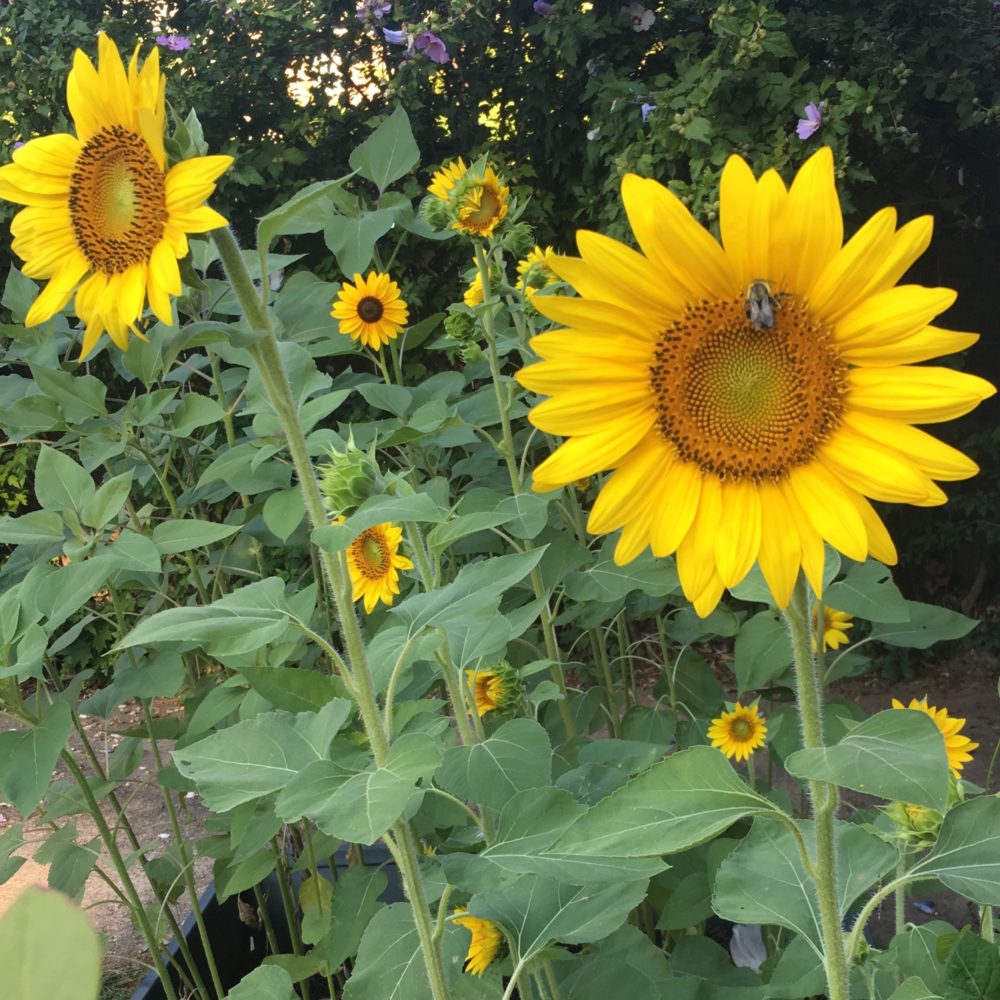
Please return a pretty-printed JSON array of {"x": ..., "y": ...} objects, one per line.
[
  {"x": 373, "y": 561},
  {"x": 487, "y": 690},
  {"x": 445, "y": 179},
  {"x": 739, "y": 732},
  {"x": 473, "y": 295},
  {"x": 105, "y": 218},
  {"x": 371, "y": 310},
  {"x": 481, "y": 204},
  {"x": 750, "y": 397},
  {"x": 486, "y": 941},
  {"x": 834, "y": 628},
  {"x": 534, "y": 271},
  {"x": 959, "y": 747}
]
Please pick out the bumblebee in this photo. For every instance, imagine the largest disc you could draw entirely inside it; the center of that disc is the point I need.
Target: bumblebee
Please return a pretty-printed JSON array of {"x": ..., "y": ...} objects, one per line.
[{"x": 760, "y": 305}]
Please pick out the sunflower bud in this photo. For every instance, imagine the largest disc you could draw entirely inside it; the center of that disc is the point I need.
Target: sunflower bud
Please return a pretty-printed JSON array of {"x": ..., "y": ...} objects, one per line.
[
  {"x": 519, "y": 239},
  {"x": 349, "y": 478},
  {"x": 496, "y": 688},
  {"x": 917, "y": 825}
]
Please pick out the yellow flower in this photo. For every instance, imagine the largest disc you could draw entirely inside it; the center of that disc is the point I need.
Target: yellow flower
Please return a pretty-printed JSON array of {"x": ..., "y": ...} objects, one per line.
[
  {"x": 445, "y": 179},
  {"x": 105, "y": 218},
  {"x": 959, "y": 747},
  {"x": 488, "y": 690},
  {"x": 739, "y": 732},
  {"x": 750, "y": 397},
  {"x": 373, "y": 561},
  {"x": 474, "y": 293},
  {"x": 482, "y": 205},
  {"x": 371, "y": 310},
  {"x": 534, "y": 271},
  {"x": 835, "y": 626},
  {"x": 485, "y": 944}
]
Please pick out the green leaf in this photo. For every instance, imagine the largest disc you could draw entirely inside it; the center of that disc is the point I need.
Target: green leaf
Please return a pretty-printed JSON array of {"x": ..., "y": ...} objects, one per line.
[
  {"x": 28, "y": 758},
  {"x": 928, "y": 624},
  {"x": 181, "y": 536},
  {"x": 283, "y": 512},
  {"x": 37, "y": 527},
  {"x": 605, "y": 582},
  {"x": 536, "y": 911},
  {"x": 352, "y": 241},
  {"x": 395, "y": 399},
  {"x": 868, "y": 592},
  {"x": 972, "y": 971},
  {"x": 258, "y": 756},
  {"x": 678, "y": 803},
  {"x": 79, "y": 397},
  {"x": 194, "y": 411},
  {"x": 762, "y": 651},
  {"x": 48, "y": 949},
  {"x": 355, "y": 902},
  {"x": 914, "y": 989},
  {"x": 763, "y": 881},
  {"x": 294, "y": 689},
  {"x": 305, "y": 212},
  {"x": 367, "y": 804},
  {"x": 898, "y": 755},
  {"x": 517, "y": 756},
  {"x": 914, "y": 952},
  {"x": 966, "y": 857},
  {"x": 61, "y": 484},
  {"x": 626, "y": 964},
  {"x": 389, "y": 153},
  {"x": 269, "y": 982},
  {"x": 526, "y": 513},
  {"x": 105, "y": 505},
  {"x": 418, "y": 507}
]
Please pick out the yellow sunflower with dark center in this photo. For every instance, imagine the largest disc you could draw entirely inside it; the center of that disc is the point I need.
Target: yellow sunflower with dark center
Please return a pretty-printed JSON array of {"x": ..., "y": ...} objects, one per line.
[
  {"x": 373, "y": 561},
  {"x": 371, "y": 310},
  {"x": 105, "y": 218},
  {"x": 959, "y": 747},
  {"x": 481, "y": 204},
  {"x": 445, "y": 179},
  {"x": 751, "y": 397},
  {"x": 834, "y": 627},
  {"x": 739, "y": 732},
  {"x": 486, "y": 941}
]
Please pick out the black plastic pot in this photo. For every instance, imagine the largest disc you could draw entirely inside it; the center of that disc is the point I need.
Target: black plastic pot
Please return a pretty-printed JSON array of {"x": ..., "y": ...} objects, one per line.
[{"x": 238, "y": 948}]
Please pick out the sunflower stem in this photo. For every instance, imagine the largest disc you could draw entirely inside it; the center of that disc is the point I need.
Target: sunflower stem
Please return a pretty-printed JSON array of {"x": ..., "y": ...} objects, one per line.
[
  {"x": 267, "y": 358},
  {"x": 822, "y": 795}
]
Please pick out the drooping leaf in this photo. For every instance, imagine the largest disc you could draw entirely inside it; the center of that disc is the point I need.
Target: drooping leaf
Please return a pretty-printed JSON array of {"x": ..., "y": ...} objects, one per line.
[{"x": 28, "y": 758}]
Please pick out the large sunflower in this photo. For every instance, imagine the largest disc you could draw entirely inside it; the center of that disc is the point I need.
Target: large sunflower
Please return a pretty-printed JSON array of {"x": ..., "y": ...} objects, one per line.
[
  {"x": 751, "y": 397},
  {"x": 958, "y": 747},
  {"x": 373, "y": 561},
  {"x": 371, "y": 310},
  {"x": 105, "y": 218}
]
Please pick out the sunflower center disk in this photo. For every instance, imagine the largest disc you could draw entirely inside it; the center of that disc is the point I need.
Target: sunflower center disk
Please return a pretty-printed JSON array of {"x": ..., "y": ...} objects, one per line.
[
  {"x": 374, "y": 554},
  {"x": 741, "y": 730},
  {"x": 370, "y": 309},
  {"x": 743, "y": 403},
  {"x": 117, "y": 200},
  {"x": 489, "y": 205}
]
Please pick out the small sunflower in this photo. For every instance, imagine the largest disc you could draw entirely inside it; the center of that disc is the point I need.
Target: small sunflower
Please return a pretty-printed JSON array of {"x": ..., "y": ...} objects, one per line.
[
  {"x": 959, "y": 747},
  {"x": 373, "y": 561},
  {"x": 739, "y": 732},
  {"x": 534, "y": 271},
  {"x": 473, "y": 295},
  {"x": 481, "y": 204},
  {"x": 487, "y": 690},
  {"x": 371, "y": 310},
  {"x": 105, "y": 218},
  {"x": 750, "y": 397},
  {"x": 834, "y": 629},
  {"x": 486, "y": 941},
  {"x": 445, "y": 179}
]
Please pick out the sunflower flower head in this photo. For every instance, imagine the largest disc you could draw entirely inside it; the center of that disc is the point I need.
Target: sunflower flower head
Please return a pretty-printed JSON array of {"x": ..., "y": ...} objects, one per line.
[
  {"x": 958, "y": 747},
  {"x": 917, "y": 826},
  {"x": 371, "y": 310},
  {"x": 750, "y": 397},
  {"x": 445, "y": 179},
  {"x": 534, "y": 271},
  {"x": 473, "y": 200},
  {"x": 739, "y": 732},
  {"x": 105, "y": 218},
  {"x": 833, "y": 629},
  {"x": 349, "y": 477},
  {"x": 487, "y": 940},
  {"x": 373, "y": 561},
  {"x": 495, "y": 689}
]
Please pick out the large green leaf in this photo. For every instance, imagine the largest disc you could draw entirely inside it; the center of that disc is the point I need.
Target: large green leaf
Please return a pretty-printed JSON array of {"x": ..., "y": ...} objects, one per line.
[
  {"x": 914, "y": 989},
  {"x": 37, "y": 527},
  {"x": 896, "y": 754},
  {"x": 48, "y": 950},
  {"x": 61, "y": 484},
  {"x": 389, "y": 153},
  {"x": 763, "y": 881},
  {"x": 678, "y": 803},
  {"x": 517, "y": 756},
  {"x": 260, "y": 755},
  {"x": 416, "y": 507},
  {"x": 606, "y": 582},
  {"x": 972, "y": 970},
  {"x": 535, "y": 911},
  {"x": 867, "y": 591},
  {"x": 355, "y": 902},
  {"x": 269, "y": 982},
  {"x": 27, "y": 758},
  {"x": 966, "y": 857},
  {"x": 626, "y": 964},
  {"x": 180, "y": 536},
  {"x": 293, "y": 689},
  {"x": 927, "y": 625},
  {"x": 305, "y": 212},
  {"x": 762, "y": 651}
]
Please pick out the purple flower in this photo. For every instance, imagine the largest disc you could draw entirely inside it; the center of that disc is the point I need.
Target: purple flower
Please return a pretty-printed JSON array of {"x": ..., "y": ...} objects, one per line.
[
  {"x": 647, "y": 109},
  {"x": 395, "y": 37},
  {"x": 432, "y": 47},
  {"x": 543, "y": 7},
  {"x": 372, "y": 10},
  {"x": 173, "y": 43},
  {"x": 811, "y": 123},
  {"x": 18, "y": 144}
]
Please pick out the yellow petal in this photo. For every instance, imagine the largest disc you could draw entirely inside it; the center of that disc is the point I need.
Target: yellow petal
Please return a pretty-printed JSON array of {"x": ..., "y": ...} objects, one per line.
[
  {"x": 51, "y": 155},
  {"x": 737, "y": 190},
  {"x": 780, "y": 549},
  {"x": 613, "y": 504},
  {"x": 880, "y": 544},
  {"x": 587, "y": 412},
  {"x": 696, "y": 553},
  {"x": 676, "y": 493},
  {"x": 833, "y": 516},
  {"x": 569, "y": 374},
  {"x": 766, "y": 213},
  {"x": 930, "y": 342},
  {"x": 57, "y": 293},
  {"x": 891, "y": 315},
  {"x": 588, "y": 347},
  {"x": 591, "y": 453},
  {"x": 916, "y": 394},
  {"x": 596, "y": 315},
  {"x": 706, "y": 602},
  {"x": 635, "y": 534},
  {"x": 737, "y": 539},
  {"x": 906, "y": 245},
  {"x": 190, "y": 182}
]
